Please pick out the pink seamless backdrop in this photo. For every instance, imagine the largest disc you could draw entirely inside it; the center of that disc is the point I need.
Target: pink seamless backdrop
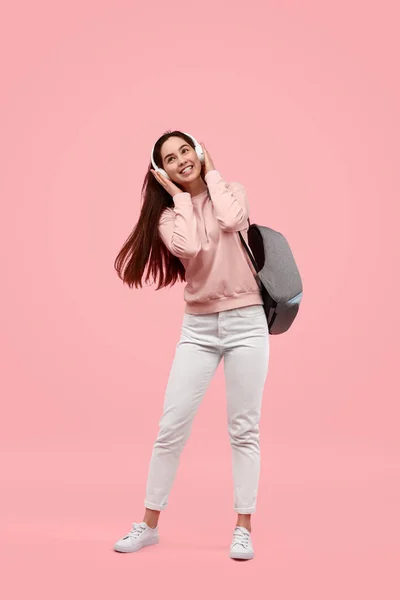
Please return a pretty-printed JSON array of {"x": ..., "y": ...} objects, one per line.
[{"x": 299, "y": 102}]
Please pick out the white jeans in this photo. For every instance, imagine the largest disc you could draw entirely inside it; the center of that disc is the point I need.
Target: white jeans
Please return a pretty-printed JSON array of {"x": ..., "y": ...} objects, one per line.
[{"x": 240, "y": 335}]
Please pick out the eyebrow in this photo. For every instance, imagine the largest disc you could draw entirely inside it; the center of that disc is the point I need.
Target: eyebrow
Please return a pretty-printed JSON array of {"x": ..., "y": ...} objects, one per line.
[{"x": 171, "y": 153}]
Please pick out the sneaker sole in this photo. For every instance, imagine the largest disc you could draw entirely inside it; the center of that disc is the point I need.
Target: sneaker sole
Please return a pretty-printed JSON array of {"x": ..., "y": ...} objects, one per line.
[
  {"x": 241, "y": 555},
  {"x": 143, "y": 545}
]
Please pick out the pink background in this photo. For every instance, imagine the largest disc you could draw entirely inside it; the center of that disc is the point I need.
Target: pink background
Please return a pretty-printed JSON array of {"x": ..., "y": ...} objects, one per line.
[{"x": 299, "y": 102}]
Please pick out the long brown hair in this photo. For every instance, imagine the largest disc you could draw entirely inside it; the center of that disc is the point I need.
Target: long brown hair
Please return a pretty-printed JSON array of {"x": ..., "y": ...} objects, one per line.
[{"x": 144, "y": 244}]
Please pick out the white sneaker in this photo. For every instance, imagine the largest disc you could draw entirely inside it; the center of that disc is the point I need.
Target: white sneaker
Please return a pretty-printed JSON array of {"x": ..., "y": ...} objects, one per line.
[
  {"x": 139, "y": 536},
  {"x": 241, "y": 546}
]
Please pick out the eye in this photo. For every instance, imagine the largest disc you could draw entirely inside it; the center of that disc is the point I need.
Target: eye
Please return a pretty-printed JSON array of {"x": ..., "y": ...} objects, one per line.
[
  {"x": 171, "y": 157},
  {"x": 186, "y": 149}
]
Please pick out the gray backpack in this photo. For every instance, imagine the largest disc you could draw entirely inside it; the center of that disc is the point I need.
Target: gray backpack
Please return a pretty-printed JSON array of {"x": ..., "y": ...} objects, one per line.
[{"x": 277, "y": 275}]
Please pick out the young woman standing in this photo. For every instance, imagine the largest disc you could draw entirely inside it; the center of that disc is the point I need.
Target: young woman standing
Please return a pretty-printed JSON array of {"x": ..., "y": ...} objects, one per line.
[{"x": 188, "y": 230}]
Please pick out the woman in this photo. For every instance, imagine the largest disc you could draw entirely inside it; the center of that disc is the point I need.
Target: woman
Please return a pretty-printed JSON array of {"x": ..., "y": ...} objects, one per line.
[{"x": 188, "y": 230}]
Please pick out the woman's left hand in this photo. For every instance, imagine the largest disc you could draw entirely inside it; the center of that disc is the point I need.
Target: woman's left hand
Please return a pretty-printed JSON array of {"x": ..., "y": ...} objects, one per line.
[{"x": 208, "y": 163}]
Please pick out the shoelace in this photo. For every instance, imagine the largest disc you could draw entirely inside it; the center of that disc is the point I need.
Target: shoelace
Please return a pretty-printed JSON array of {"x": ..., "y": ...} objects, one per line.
[
  {"x": 240, "y": 537},
  {"x": 136, "y": 530}
]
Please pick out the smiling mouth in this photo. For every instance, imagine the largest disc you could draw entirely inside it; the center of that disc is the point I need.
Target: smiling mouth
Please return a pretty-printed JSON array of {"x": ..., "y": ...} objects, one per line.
[{"x": 187, "y": 170}]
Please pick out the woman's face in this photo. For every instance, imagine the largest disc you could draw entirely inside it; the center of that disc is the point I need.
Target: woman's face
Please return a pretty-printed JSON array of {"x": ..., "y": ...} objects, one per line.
[{"x": 176, "y": 155}]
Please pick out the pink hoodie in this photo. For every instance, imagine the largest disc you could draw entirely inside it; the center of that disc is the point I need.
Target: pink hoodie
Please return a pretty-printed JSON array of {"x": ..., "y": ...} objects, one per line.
[{"x": 203, "y": 234}]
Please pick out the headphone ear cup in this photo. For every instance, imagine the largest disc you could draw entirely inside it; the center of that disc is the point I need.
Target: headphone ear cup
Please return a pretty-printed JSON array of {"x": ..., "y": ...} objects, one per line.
[
  {"x": 200, "y": 153},
  {"x": 163, "y": 173}
]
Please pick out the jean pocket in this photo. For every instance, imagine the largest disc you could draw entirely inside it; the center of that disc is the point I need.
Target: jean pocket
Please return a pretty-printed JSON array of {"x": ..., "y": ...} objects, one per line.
[{"x": 251, "y": 311}]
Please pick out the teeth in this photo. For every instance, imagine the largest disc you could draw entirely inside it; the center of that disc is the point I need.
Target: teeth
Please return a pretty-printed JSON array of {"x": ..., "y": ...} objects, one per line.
[{"x": 187, "y": 169}]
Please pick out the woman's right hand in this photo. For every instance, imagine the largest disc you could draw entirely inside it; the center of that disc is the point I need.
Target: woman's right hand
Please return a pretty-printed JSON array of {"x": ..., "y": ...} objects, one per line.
[{"x": 166, "y": 183}]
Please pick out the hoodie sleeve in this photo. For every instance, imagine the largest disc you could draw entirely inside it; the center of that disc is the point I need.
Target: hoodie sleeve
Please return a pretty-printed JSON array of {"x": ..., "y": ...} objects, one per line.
[
  {"x": 178, "y": 227},
  {"x": 229, "y": 200}
]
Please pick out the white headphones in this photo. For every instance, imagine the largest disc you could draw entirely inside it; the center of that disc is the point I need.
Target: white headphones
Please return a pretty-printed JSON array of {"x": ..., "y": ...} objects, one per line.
[{"x": 197, "y": 147}]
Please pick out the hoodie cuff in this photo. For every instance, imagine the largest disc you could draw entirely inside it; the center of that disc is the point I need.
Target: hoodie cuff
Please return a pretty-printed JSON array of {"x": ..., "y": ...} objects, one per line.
[
  {"x": 212, "y": 176},
  {"x": 182, "y": 197}
]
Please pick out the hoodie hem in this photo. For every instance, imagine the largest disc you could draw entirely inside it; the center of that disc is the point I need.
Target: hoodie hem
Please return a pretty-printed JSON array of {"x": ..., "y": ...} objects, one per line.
[{"x": 224, "y": 303}]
